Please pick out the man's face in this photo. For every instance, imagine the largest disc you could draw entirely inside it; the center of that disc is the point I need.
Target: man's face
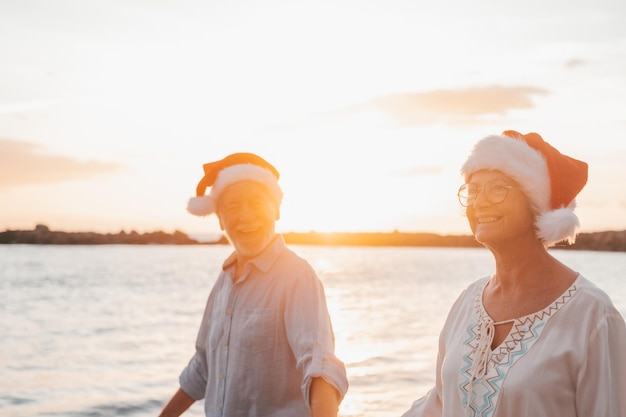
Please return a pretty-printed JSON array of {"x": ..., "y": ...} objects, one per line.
[{"x": 247, "y": 214}]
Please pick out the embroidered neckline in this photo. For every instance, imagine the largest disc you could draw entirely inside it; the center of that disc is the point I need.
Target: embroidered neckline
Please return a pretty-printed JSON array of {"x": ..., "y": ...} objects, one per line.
[
  {"x": 542, "y": 314},
  {"x": 520, "y": 328},
  {"x": 483, "y": 370}
]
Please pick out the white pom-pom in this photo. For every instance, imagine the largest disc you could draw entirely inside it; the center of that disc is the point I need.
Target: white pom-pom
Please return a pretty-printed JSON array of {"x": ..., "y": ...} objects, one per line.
[
  {"x": 557, "y": 225},
  {"x": 201, "y": 206}
]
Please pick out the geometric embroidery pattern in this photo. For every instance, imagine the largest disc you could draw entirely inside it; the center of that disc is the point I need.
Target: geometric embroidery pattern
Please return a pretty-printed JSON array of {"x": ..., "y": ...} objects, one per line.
[{"x": 480, "y": 396}]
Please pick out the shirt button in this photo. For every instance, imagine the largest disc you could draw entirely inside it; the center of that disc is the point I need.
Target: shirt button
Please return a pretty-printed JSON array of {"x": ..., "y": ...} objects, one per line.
[{"x": 229, "y": 311}]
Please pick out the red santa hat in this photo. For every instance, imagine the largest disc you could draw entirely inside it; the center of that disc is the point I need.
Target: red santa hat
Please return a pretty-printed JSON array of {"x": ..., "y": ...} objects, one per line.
[
  {"x": 234, "y": 168},
  {"x": 549, "y": 179}
]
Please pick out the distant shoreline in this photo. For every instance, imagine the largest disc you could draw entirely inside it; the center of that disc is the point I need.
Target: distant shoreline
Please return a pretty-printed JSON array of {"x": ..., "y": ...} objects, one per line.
[{"x": 611, "y": 241}]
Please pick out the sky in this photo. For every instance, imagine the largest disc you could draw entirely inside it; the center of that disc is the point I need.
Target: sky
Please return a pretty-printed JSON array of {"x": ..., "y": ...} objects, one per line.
[{"x": 368, "y": 108}]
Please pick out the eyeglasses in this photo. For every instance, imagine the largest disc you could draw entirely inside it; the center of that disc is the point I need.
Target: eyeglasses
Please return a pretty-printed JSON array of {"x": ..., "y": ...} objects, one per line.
[{"x": 495, "y": 192}]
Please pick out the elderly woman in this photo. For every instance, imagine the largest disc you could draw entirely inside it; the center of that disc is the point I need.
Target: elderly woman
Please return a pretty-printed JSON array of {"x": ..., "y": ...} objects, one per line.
[{"x": 535, "y": 338}]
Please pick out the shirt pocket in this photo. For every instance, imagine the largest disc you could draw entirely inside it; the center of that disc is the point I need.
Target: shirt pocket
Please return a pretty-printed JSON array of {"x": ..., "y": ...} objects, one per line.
[
  {"x": 215, "y": 337},
  {"x": 257, "y": 330}
]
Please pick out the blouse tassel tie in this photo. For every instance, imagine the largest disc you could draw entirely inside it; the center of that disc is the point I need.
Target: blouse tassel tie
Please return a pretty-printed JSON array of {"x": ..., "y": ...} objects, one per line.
[{"x": 482, "y": 355}]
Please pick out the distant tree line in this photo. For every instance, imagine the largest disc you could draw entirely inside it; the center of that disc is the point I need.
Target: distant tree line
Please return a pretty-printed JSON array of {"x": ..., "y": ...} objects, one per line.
[
  {"x": 612, "y": 241},
  {"x": 42, "y": 235}
]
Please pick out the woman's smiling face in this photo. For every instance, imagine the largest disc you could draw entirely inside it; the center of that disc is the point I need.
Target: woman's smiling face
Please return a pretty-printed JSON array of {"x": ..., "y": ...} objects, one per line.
[{"x": 507, "y": 219}]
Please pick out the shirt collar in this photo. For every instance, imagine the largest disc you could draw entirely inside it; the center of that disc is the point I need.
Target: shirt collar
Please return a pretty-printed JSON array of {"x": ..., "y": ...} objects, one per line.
[{"x": 265, "y": 259}]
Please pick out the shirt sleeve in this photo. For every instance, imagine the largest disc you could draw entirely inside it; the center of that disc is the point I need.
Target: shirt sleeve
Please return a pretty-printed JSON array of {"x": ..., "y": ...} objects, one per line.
[
  {"x": 193, "y": 379},
  {"x": 601, "y": 390},
  {"x": 310, "y": 334}
]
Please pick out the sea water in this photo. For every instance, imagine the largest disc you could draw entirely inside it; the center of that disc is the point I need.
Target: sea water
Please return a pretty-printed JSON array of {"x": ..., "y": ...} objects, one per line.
[{"x": 106, "y": 330}]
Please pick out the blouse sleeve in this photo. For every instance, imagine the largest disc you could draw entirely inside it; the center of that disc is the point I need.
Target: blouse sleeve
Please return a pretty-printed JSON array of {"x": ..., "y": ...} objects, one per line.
[
  {"x": 601, "y": 385},
  {"x": 431, "y": 404}
]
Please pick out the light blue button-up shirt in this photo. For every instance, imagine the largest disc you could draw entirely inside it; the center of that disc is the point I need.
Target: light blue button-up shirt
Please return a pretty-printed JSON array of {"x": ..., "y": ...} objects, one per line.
[{"x": 263, "y": 338}]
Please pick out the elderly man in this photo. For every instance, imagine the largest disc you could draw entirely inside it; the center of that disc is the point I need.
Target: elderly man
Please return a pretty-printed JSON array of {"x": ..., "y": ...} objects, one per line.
[{"x": 265, "y": 345}]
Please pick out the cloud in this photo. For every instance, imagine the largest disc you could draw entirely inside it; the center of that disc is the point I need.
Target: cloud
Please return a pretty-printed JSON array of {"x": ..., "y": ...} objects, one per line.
[
  {"x": 461, "y": 105},
  {"x": 27, "y": 163},
  {"x": 573, "y": 63}
]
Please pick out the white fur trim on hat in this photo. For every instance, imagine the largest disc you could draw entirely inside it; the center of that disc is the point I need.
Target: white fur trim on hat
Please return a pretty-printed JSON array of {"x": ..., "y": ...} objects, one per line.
[
  {"x": 528, "y": 167},
  {"x": 516, "y": 159},
  {"x": 206, "y": 205}
]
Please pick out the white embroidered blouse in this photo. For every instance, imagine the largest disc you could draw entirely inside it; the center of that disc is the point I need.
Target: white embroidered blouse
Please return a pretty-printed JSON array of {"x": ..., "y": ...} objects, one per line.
[{"x": 567, "y": 360}]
